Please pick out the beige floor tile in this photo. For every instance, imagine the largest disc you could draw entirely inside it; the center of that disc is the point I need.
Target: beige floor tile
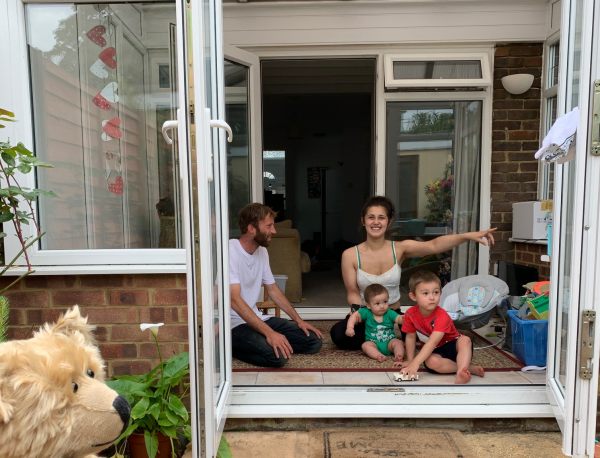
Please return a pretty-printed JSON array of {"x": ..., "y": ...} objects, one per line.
[
  {"x": 260, "y": 444},
  {"x": 356, "y": 378},
  {"x": 245, "y": 378},
  {"x": 289, "y": 378}
]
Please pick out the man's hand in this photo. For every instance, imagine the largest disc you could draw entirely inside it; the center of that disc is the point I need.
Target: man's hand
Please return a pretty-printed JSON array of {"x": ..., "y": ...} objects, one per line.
[
  {"x": 350, "y": 332},
  {"x": 280, "y": 345},
  {"x": 306, "y": 327}
]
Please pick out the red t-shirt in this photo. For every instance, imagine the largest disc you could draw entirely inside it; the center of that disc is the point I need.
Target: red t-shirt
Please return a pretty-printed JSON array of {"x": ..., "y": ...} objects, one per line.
[{"x": 424, "y": 326}]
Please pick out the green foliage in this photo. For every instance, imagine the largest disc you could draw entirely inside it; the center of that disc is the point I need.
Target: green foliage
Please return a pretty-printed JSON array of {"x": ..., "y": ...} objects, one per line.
[
  {"x": 17, "y": 202},
  {"x": 3, "y": 318},
  {"x": 224, "y": 450},
  {"x": 439, "y": 197},
  {"x": 156, "y": 401}
]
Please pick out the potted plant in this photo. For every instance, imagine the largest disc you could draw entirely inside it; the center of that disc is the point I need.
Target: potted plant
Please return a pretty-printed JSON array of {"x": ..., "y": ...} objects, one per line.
[{"x": 157, "y": 410}]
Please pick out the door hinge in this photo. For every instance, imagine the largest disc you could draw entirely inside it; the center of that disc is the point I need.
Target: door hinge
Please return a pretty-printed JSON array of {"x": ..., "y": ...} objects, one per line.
[
  {"x": 595, "y": 149},
  {"x": 586, "y": 345}
]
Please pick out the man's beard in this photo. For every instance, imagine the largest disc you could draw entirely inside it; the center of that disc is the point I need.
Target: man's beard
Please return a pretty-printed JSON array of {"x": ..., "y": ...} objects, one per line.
[{"x": 262, "y": 239}]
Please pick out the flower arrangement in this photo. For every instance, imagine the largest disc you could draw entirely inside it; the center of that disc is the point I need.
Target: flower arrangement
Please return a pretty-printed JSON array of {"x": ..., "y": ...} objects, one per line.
[
  {"x": 439, "y": 197},
  {"x": 156, "y": 399}
]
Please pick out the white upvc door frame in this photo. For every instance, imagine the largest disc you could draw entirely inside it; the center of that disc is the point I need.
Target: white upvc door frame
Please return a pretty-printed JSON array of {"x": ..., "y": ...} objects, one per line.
[
  {"x": 252, "y": 63},
  {"x": 575, "y": 406},
  {"x": 498, "y": 401}
]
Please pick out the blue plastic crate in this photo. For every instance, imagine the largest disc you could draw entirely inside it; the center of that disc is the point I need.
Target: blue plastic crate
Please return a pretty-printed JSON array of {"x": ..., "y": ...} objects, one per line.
[{"x": 529, "y": 339}]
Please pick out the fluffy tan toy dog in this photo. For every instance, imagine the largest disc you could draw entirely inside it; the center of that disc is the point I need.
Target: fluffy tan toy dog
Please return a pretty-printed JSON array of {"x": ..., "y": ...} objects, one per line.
[{"x": 53, "y": 399}]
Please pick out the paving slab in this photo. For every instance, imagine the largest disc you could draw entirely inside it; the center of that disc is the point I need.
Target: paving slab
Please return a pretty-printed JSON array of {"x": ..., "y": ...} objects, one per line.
[{"x": 395, "y": 442}]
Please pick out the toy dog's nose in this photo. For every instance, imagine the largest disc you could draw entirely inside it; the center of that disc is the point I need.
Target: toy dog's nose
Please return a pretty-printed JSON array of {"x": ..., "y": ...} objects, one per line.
[{"x": 123, "y": 409}]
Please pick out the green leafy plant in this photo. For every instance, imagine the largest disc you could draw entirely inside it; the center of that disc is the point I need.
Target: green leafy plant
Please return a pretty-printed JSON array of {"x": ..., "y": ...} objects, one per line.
[
  {"x": 16, "y": 201},
  {"x": 16, "y": 207},
  {"x": 439, "y": 197},
  {"x": 156, "y": 399}
]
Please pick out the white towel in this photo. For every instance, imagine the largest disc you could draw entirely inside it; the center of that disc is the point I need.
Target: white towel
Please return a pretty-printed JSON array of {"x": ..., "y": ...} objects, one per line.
[{"x": 562, "y": 129}]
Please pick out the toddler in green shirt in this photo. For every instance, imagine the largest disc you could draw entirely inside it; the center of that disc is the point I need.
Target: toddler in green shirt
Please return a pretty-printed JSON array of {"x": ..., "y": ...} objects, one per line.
[{"x": 381, "y": 341}]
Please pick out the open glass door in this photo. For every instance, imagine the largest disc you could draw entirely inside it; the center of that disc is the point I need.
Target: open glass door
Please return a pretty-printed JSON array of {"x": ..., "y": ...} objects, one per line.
[
  {"x": 243, "y": 114},
  {"x": 204, "y": 195},
  {"x": 572, "y": 360}
]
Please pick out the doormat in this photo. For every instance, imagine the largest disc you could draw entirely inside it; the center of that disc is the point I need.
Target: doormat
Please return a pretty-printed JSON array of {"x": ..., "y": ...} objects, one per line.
[
  {"x": 396, "y": 442},
  {"x": 332, "y": 359}
]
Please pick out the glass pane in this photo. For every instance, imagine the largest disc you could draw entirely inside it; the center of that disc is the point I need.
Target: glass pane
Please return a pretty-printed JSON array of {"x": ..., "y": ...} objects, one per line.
[
  {"x": 238, "y": 151},
  {"x": 547, "y": 168},
  {"x": 552, "y": 65},
  {"x": 439, "y": 69},
  {"x": 564, "y": 284},
  {"x": 433, "y": 175},
  {"x": 274, "y": 182},
  {"x": 98, "y": 108}
]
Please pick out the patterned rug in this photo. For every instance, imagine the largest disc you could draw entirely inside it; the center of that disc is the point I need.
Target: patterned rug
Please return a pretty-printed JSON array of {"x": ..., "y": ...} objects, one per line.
[{"x": 331, "y": 359}]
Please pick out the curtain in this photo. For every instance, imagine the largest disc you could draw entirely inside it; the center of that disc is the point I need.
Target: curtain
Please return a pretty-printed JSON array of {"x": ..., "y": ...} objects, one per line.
[{"x": 467, "y": 165}]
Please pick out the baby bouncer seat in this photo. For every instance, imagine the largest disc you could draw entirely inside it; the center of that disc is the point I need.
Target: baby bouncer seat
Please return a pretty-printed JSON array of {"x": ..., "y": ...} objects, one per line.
[{"x": 471, "y": 300}]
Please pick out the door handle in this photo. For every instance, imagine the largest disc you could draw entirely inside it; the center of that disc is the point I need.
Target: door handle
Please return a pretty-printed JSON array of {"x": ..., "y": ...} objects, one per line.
[
  {"x": 222, "y": 125},
  {"x": 169, "y": 125}
]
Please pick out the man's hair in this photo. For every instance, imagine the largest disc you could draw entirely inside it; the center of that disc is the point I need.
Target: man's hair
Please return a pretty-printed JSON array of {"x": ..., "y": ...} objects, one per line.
[
  {"x": 252, "y": 214},
  {"x": 422, "y": 276},
  {"x": 374, "y": 290}
]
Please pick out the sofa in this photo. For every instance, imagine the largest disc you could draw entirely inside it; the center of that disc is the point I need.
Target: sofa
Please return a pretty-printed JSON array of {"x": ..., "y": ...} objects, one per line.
[{"x": 286, "y": 258}]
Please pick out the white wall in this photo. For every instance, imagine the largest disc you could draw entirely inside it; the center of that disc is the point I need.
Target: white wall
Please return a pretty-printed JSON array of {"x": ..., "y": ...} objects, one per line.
[{"x": 265, "y": 24}]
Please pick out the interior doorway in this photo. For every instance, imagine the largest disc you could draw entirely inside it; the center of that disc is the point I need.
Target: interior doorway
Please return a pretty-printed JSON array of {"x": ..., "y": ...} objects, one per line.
[{"x": 318, "y": 124}]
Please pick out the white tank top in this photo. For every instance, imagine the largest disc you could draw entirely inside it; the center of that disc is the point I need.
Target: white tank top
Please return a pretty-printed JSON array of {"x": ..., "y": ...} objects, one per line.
[{"x": 390, "y": 278}]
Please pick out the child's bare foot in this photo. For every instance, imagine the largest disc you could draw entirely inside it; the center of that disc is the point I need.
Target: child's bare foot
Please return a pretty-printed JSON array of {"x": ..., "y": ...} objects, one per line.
[
  {"x": 380, "y": 358},
  {"x": 477, "y": 370},
  {"x": 462, "y": 376},
  {"x": 399, "y": 357}
]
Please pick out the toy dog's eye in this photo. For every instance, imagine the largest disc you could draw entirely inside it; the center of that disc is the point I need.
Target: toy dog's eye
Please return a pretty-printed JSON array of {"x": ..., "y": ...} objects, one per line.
[
  {"x": 75, "y": 387},
  {"x": 90, "y": 373}
]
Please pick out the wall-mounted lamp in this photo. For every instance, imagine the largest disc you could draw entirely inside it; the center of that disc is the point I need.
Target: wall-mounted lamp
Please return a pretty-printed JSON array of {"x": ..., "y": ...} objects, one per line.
[{"x": 517, "y": 83}]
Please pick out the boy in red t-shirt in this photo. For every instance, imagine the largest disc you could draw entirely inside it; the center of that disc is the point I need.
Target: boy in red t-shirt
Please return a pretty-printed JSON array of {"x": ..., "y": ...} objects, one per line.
[{"x": 445, "y": 350}]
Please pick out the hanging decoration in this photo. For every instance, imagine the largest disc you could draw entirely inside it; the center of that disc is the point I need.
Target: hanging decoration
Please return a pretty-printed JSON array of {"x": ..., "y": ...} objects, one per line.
[
  {"x": 113, "y": 172},
  {"x": 106, "y": 99}
]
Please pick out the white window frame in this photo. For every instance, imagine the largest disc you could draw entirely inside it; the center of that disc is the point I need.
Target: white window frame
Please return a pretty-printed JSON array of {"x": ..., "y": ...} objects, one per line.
[
  {"x": 547, "y": 92},
  {"x": 392, "y": 83},
  {"x": 13, "y": 52}
]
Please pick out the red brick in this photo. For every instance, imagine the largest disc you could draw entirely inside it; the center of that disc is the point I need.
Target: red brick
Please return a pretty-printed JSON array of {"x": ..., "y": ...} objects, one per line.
[
  {"x": 523, "y": 135},
  {"x": 148, "y": 350},
  {"x": 87, "y": 297},
  {"x": 170, "y": 297},
  {"x": 101, "y": 281},
  {"x": 6, "y": 280},
  {"x": 34, "y": 299},
  {"x": 118, "y": 351},
  {"x": 516, "y": 115},
  {"x": 128, "y": 333},
  {"x": 129, "y": 297},
  {"x": 129, "y": 367},
  {"x": 160, "y": 315},
  {"x": 528, "y": 166},
  {"x": 508, "y": 104},
  {"x": 173, "y": 333},
  {"x": 112, "y": 315},
  {"x": 155, "y": 281}
]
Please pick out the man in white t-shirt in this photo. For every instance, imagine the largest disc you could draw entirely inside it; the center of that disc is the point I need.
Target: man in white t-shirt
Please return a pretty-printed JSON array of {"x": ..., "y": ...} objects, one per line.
[{"x": 261, "y": 339}]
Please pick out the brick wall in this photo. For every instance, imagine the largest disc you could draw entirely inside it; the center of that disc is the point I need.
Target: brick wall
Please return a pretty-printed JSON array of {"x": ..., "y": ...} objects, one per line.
[
  {"x": 515, "y": 138},
  {"x": 116, "y": 304}
]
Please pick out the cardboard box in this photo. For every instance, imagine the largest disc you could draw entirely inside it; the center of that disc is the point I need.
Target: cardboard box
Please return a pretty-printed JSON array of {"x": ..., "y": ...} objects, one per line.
[{"x": 529, "y": 221}]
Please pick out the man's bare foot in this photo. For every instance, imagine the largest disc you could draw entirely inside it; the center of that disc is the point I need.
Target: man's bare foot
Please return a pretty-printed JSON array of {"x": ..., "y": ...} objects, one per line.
[
  {"x": 477, "y": 370},
  {"x": 462, "y": 376}
]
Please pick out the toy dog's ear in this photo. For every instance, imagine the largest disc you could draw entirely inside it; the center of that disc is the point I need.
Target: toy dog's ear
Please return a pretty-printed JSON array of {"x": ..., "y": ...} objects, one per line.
[
  {"x": 6, "y": 411},
  {"x": 70, "y": 323}
]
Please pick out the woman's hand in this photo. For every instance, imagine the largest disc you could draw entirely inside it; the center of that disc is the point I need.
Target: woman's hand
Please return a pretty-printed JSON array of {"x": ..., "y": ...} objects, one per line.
[{"x": 485, "y": 237}]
